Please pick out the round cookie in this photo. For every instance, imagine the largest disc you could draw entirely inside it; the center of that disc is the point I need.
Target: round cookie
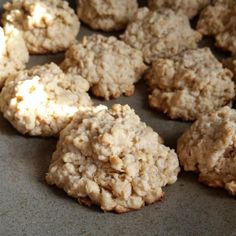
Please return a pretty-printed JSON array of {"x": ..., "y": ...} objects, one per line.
[
  {"x": 106, "y": 15},
  {"x": 48, "y": 26},
  {"x": 160, "y": 34},
  {"x": 110, "y": 66},
  {"x": 209, "y": 148},
  {"x": 189, "y": 7},
  {"x": 112, "y": 159},
  {"x": 13, "y": 53},
  {"x": 214, "y": 18},
  {"x": 41, "y": 101},
  {"x": 189, "y": 84},
  {"x": 218, "y": 20}
]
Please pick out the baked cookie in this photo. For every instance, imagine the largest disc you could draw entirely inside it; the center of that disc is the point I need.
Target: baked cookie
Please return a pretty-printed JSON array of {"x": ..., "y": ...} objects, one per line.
[
  {"x": 214, "y": 18},
  {"x": 189, "y": 84},
  {"x": 112, "y": 159},
  {"x": 48, "y": 26},
  {"x": 227, "y": 39},
  {"x": 189, "y": 7},
  {"x": 106, "y": 15},
  {"x": 231, "y": 64},
  {"x": 41, "y": 101},
  {"x": 209, "y": 148},
  {"x": 218, "y": 20},
  {"x": 110, "y": 66},
  {"x": 160, "y": 34},
  {"x": 13, "y": 53}
]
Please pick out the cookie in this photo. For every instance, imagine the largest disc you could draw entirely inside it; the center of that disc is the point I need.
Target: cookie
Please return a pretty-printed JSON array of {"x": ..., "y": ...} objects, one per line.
[
  {"x": 13, "y": 53},
  {"x": 106, "y": 15},
  {"x": 213, "y": 19},
  {"x": 160, "y": 34},
  {"x": 111, "y": 159},
  {"x": 48, "y": 26},
  {"x": 190, "y": 84},
  {"x": 209, "y": 148},
  {"x": 218, "y": 20},
  {"x": 41, "y": 101},
  {"x": 231, "y": 64},
  {"x": 109, "y": 65},
  {"x": 189, "y": 7},
  {"x": 227, "y": 39}
]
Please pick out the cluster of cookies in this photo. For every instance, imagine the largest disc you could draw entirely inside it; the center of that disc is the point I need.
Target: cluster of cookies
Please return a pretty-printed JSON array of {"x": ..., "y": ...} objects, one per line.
[{"x": 109, "y": 157}]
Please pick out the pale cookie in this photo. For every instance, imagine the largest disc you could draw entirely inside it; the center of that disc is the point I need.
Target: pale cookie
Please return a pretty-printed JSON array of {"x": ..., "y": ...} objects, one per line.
[
  {"x": 190, "y": 84},
  {"x": 160, "y": 34},
  {"x": 218, "y": 20},
  {"x": 48, "y": 26},
  {"x": 41, "y": 101},
  {"x": 209, "y": 148},
  {"x": 213, "y": 19},
  {"x": 112, "y": 159},
  {"x": 106, "y": 15},
  {"x": 13, "y": 53},
  {"x": 110, "y": 66},
  {"x": 189, "y": 7}
]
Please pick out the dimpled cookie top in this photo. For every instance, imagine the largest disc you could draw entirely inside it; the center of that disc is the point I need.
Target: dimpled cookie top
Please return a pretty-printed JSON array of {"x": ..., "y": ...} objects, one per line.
[
  {"x": 112, "y": 159},
  {"x": 209, "y": 148},
  {"x": 41, "y": 101},
  {"x": 13, "y": 53},
  {"x": 189, "y": 7},
  {"x": 48, "y": 26},
  {"x": 106, "y": 15},
  {"x": 109, "y": 65},
  {"x": 160, "y": 34}
]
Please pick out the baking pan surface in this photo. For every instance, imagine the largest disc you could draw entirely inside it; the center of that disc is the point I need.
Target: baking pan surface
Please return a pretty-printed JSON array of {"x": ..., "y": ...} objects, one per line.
[{"x": 28, "y": 206}]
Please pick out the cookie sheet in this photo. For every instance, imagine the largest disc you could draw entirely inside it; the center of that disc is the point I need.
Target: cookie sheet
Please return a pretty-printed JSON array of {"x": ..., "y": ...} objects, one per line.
[{"x": 28, "y": 206}]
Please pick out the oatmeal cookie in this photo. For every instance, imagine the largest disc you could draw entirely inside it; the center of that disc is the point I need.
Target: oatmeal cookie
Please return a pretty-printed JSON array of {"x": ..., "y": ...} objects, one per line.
[
  {"x": 160, "y": 34},
  {"x": 190, "y": 7},
  {"x": 231, "y": 64},
  {"x": 48, "y": 26},
  {"x": 190, "y": 84},
  {"x": 209, "y": 148},
  {"x": 110, "y": 66},
  {"x": 112, "y": 159},
  {"x": 227, "y": 39},
  {"x": 41, "y": 101},
  {"x": 218, "y": 20},
  {"x": 106, "y": 15},
  {"x": 13, "y": 53}
]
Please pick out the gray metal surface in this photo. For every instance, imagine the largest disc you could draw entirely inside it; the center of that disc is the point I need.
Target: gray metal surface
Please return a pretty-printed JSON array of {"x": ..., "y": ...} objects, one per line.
[{"x": 28, "y": 206}]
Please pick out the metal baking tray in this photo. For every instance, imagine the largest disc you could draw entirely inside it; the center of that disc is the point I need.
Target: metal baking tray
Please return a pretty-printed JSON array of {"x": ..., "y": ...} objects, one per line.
[{"x": 28, "y": 206}]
